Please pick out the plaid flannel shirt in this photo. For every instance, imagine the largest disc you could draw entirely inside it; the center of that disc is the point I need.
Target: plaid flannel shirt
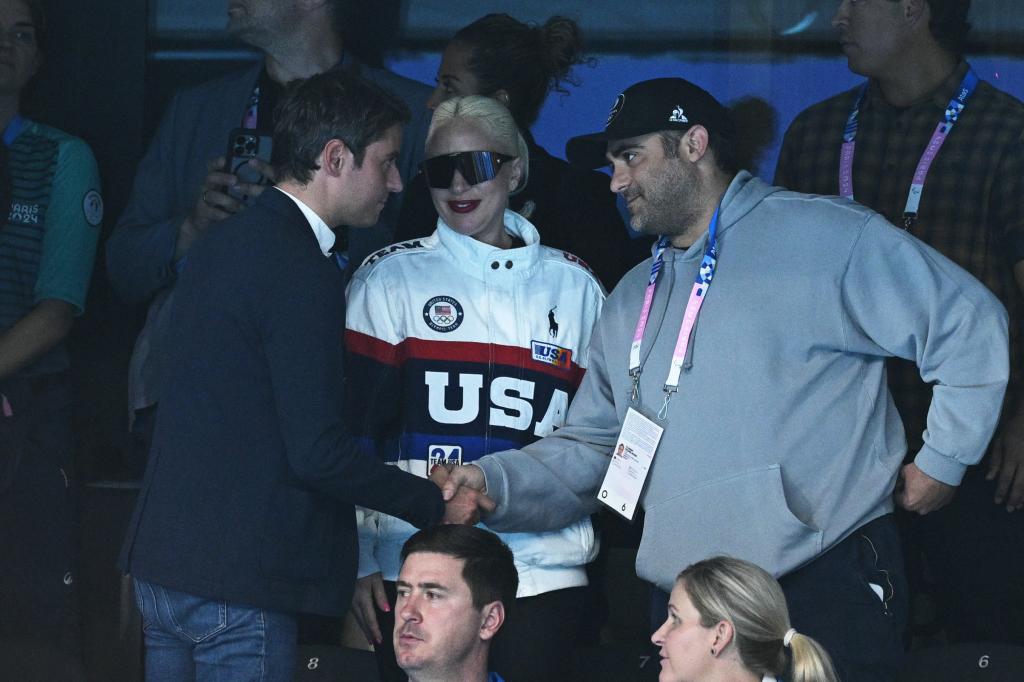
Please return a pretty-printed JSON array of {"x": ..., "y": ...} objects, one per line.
[{"x": 972, "y": 207}]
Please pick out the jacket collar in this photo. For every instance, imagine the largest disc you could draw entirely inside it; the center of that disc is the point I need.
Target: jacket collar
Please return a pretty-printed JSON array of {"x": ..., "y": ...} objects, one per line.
[
  {"x": 287, "y": 209},
  {"x": 324, "y": 234},
  {"x": 488, "y": 263}
]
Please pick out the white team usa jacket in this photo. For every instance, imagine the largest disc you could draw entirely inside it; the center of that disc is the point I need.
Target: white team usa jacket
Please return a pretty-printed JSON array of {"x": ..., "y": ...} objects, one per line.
[{"x": 456, "y": 350}]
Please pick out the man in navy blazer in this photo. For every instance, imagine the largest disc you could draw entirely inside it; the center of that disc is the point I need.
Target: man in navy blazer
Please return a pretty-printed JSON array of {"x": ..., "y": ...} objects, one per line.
[{"x": 246, "y": 512}]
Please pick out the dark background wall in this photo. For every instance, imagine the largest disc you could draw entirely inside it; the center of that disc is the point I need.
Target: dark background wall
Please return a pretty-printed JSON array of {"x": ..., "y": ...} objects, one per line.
[
  {"x": 93, "y": 85},
  {"x": 647, "y": 25}
]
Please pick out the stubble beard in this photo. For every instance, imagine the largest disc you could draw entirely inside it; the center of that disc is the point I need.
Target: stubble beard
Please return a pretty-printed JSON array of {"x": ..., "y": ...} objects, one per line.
[{"x": 672, "y": 203}]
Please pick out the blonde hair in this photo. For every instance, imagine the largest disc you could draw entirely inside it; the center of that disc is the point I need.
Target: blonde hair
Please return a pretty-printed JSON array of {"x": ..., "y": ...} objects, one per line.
[
  {"x": 724, "y": 588},
  {"x": 495, "y": 120}
]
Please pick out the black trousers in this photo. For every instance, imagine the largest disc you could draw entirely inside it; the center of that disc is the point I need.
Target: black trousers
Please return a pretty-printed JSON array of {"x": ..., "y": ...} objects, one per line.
[
  {"x": 831, "y": 600},
  {"x": 970, "y": 556},
  {"x": 535, "y": 644},
  {"x": 38, "y": 598}
]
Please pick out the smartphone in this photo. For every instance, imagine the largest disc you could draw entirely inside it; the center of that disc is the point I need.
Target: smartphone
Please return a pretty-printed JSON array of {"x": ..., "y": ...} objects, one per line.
[{"x": 245, "y": 144}]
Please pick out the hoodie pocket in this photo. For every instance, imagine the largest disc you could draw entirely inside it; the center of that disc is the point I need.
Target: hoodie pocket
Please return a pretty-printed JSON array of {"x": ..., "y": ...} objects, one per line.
[{"x": 744, "y": 515}]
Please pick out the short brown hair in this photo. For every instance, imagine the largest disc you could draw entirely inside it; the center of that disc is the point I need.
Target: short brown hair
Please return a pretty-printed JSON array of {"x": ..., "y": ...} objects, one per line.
[
  {"x": 334, "y": 105},
  {"x": 488, "y": 567}
]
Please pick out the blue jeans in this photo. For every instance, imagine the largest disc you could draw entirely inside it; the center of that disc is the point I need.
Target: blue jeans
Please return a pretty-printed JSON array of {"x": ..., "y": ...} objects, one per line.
[{"x": 195, "y": 639}]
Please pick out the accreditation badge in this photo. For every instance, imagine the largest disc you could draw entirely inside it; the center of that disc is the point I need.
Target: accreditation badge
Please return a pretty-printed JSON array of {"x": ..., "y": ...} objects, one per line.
[{"x": 630, "y": 463}]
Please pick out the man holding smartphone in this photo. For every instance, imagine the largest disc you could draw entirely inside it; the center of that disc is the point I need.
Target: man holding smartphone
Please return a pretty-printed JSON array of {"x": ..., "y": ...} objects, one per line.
[{"x": 182, "y": 188}]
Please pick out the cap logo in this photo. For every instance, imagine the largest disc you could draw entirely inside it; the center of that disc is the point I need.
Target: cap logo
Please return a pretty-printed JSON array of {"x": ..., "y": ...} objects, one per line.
[
  {"x": 616, "y": 108},
  {"x": 678, "y": 116}
]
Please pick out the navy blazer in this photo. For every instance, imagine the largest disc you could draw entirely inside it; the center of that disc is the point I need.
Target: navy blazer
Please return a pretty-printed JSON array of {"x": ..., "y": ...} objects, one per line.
[{"x": 249, "y": 491}]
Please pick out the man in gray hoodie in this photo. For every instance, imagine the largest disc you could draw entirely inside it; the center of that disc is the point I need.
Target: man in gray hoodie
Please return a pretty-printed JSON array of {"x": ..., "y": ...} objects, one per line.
[{"x": 765, "y": 319}]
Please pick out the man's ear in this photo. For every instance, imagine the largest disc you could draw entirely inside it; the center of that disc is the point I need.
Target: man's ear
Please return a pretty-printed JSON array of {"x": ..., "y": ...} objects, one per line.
[
  {"x": 493, "y": 617},
  {"x": 694, "y": 144},
  {"x": 335, "y": 156}
]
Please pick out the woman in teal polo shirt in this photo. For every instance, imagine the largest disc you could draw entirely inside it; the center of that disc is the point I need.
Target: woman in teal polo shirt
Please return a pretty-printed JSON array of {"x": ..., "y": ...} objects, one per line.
[{"x": 49, "y": 192}]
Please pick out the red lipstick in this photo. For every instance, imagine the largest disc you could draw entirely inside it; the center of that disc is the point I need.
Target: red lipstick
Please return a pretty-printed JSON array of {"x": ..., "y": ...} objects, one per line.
[{"x": 463, "y": 206}]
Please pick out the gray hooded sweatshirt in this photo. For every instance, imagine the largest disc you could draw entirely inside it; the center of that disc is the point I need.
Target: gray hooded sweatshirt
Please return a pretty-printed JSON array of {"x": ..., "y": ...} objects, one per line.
[{"x": 783, "y": 438}]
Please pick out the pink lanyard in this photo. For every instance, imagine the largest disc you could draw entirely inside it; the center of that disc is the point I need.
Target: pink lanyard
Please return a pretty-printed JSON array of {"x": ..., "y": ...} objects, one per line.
[
  {"x": 697, "y": 295},
  {"x": 942, "y": 130}
]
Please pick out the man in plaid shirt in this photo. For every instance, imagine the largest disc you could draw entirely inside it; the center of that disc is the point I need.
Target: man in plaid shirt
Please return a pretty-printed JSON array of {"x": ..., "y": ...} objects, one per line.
[{"x": 972, "y": 210}]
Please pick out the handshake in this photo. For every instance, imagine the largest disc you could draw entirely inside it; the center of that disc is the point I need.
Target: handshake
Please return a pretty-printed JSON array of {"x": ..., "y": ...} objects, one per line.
[{"x": 463, "y": 490}]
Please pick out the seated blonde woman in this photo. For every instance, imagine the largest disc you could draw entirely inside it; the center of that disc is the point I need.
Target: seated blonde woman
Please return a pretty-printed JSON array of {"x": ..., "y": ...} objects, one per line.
[{"x": 728, "y": 622}]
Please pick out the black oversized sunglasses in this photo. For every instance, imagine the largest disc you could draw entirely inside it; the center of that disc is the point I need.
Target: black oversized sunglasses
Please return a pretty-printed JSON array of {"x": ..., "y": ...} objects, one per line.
[{"x": 474, "y": 167}]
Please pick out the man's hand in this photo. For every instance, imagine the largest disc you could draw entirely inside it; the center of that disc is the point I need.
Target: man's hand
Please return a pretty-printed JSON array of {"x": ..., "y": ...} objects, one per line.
[
  {"x": 370, "y": 595},
  {"x": 462, "y": 488},
  {"x": 254, "y": 189},
  {"x": 213, "y": 203},
  {"x": 218, "y": 199},
  {"x": 439, "y": 474},
  {"x": 1007, "y": 463},
  {"x": 919, "y": 492},
  {"x": 467, "y": 506},
  {"x": 469, "y": 476}
]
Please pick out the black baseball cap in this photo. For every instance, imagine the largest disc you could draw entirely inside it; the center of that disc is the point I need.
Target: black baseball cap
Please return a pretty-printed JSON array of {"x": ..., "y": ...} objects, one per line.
[{"x": 648, "y": 107}]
